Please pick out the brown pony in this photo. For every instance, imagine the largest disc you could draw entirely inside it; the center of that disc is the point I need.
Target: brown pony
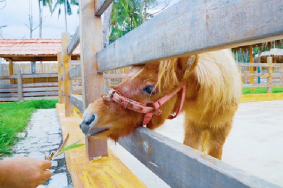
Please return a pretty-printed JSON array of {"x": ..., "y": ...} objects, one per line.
[{"x": 211, "y": 99}]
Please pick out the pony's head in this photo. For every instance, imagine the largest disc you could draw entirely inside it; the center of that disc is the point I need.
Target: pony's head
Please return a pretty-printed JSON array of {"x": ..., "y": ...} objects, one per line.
[{"x": 144, "y": 84}]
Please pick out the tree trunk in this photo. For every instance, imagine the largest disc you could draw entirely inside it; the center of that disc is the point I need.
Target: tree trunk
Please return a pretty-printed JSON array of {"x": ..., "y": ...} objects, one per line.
[
  {"x": 40, "y": 19},
  {"x": 106, "y": 25},
  {"x": 65, "y": 6}
]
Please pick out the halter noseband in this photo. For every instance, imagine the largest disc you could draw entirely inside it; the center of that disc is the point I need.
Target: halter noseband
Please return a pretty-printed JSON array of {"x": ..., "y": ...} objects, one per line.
[{"x": 150, "y": 108}]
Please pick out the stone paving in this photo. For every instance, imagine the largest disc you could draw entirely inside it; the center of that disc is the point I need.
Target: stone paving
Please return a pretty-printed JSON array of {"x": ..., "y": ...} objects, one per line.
[{"x": 42, "y": 136}]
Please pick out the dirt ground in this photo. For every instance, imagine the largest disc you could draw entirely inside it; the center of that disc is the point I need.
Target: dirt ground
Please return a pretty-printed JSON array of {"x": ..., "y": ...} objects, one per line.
[{"x": 255, "y": 143}]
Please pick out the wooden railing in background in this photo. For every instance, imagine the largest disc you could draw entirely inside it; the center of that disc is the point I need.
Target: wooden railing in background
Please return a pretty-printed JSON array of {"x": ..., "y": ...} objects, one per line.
[
  {"x": 28, "y": 91},
  {"x": 270, "y": 75}
]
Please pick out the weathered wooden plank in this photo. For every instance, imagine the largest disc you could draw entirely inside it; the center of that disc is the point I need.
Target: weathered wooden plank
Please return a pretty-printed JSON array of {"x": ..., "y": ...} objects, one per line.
[
  {"x": 246, "y": 74},
  {"x": 6, "y": 86},
  {"x": 11, "y": 71},
  {"x": 74, "y": 42},
  {"x": 40, "y": 89},
  {"x": 259, "y": 65},
  {"x": 77, "y": 101},
  {"x": 7, "y": 77},
  {"x": 102, "y": 5},
  {"x": 8, "y": 90},
  {"x": 39, "y": 75},
  {"x": 20, "y": 85},
  {"x": 114, "y": 76},
  {"x": 40, "y": 84},
  {"x": 8, "y": 95},
  {"x": 74, "y": 63},
  {"x": 75, "y": 72},
  {"x": 67, "y": 82},
  {"x": 181, "y": 166},
  {"x": 92, "y": 81},
  {"x": 254, "y": 85},
  {"x": 269, "y": 78},
  {"x": 9, "y": 99},
  {"x": 192, "y": 27},
  {"x": 60, "y": 77},
  {"x": 34, "y": 94},
  {"x": 40, "y": 98}
]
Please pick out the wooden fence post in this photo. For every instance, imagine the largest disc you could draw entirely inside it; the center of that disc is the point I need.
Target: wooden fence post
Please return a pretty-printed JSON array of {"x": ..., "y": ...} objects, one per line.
[
  {"x": 67, "y": 82},
  {"x": 11, "y": 71},
  {"x": 20, "y": 85},
  {"x": 251, "y": 68},
  {"x": 92, "y": 81},
  {"x": 269, "y": 78},
  {"x": 60, "y": 77}
]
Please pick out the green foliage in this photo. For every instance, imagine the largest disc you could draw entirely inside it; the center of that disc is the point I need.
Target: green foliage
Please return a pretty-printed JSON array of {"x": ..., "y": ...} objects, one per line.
[
  {"x": 127, "y": 15},
  {"x": 14, "y": 117},
  {"x": 67, "y": 6},
  {"x": 260, "y": 90}
]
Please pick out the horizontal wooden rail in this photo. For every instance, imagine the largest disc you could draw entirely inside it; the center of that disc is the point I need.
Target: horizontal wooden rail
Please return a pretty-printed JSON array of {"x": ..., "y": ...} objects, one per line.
[
  {"x": 33, "y": 94},
  {"x": 77, "y": 101},
  {"x": 244, "y": 74},
  {"x": 7, "y": 77},
  {"x": 259, "y": 65},
  {"x": 6, "y": 86},
  {"x": 255, "y": 85},
  {"x": 102, "y": 6},
  {"x": 8, "y": 94},
  {"x": 192, "y": 27},
  {"x": 114, "y": 76},
  {"x": 9, "y": 99},
  {"x": 75, "y": 72},
  {"x": 8, "y": 90},
  {"x": 30, "y": 76},
  {"x": 74, "y": 42},
  {"x": 41, "y": 89},
  {"x": 40, "y": 84},
  {"x": 180, "y": 166}
]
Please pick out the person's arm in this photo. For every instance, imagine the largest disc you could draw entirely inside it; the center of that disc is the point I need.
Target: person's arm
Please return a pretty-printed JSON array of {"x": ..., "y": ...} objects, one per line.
[{"x": 23, "y": 172}]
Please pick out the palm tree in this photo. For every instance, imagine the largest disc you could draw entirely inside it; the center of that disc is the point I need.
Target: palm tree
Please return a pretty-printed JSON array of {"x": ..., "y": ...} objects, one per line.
[
  {"x": 129, "y": 14},
  {"x": 40, "y": 4},
  {"x": 67, "y": 8}
]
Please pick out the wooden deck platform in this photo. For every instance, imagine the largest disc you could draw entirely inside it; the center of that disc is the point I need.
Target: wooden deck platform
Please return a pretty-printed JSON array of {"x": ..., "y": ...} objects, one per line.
[{"x": 104, "y": 172}]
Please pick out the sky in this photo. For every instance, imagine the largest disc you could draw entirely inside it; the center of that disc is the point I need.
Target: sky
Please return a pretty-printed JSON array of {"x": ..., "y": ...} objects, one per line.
[{"x": 15, "y": 16}]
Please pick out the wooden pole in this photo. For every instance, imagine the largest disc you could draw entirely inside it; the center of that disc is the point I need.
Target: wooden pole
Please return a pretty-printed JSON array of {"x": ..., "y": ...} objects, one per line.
[
  {"x": 11, "y": 71},
  {"x": 92, "y": 81},
  {"x": 67, "y": 82},
  {"x": 60, "y": 77},
  {"x": 20, "y": 85},
  {"x": 269, "y": 78},
  {"x": 251, "y": 68}
]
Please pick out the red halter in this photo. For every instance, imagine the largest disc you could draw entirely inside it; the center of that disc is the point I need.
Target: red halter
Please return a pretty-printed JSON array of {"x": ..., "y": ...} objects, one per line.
[{"x": 150, "y": 108}]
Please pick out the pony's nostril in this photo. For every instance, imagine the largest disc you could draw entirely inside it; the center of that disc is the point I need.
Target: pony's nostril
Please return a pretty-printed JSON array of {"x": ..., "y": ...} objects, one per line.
[{"x": 91, "y": 119}]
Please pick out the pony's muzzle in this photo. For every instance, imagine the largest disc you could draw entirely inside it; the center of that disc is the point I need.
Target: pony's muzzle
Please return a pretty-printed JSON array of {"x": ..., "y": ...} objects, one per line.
[{"x": 87, "y": 123}]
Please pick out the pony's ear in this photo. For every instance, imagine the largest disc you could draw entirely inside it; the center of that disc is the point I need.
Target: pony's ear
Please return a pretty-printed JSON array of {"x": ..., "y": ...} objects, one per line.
[{"x": 188, "y": 63}]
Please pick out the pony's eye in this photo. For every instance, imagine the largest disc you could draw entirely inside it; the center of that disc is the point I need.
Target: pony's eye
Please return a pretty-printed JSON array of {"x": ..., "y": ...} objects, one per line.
[{"x": 149, "y": 89}]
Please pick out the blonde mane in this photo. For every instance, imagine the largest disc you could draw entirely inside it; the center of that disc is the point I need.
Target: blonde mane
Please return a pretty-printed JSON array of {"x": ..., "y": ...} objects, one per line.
[{"x": 215, "y": 73}]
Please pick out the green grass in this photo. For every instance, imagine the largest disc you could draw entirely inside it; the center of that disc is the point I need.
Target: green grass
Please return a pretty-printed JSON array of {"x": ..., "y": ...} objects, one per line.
[
  {"x": 14, "y": 117},
  {"x": 260, "y": 90}
]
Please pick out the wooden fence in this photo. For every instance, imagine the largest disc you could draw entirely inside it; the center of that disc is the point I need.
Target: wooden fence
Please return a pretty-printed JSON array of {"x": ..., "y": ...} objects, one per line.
[
  {"x": 185, "y": 28},
  {"x": 19, "y": 91},
  {"x": 268, "y": 79}
]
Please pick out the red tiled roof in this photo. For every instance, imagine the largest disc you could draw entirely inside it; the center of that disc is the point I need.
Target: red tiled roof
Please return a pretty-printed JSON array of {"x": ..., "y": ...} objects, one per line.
[{"x": 31, "y": 47}]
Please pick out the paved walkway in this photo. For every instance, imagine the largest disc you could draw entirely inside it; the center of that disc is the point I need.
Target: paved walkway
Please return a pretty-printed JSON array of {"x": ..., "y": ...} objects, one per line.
[{"x": 42, "y": 136}]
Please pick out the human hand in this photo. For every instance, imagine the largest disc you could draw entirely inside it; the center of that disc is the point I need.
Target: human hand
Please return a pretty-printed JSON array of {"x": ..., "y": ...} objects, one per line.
[{"x": 23, "y": 172}]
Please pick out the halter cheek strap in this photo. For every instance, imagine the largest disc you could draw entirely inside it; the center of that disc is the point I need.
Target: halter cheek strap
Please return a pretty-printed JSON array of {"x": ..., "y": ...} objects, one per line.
[{"x": 150, "y": 108}]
